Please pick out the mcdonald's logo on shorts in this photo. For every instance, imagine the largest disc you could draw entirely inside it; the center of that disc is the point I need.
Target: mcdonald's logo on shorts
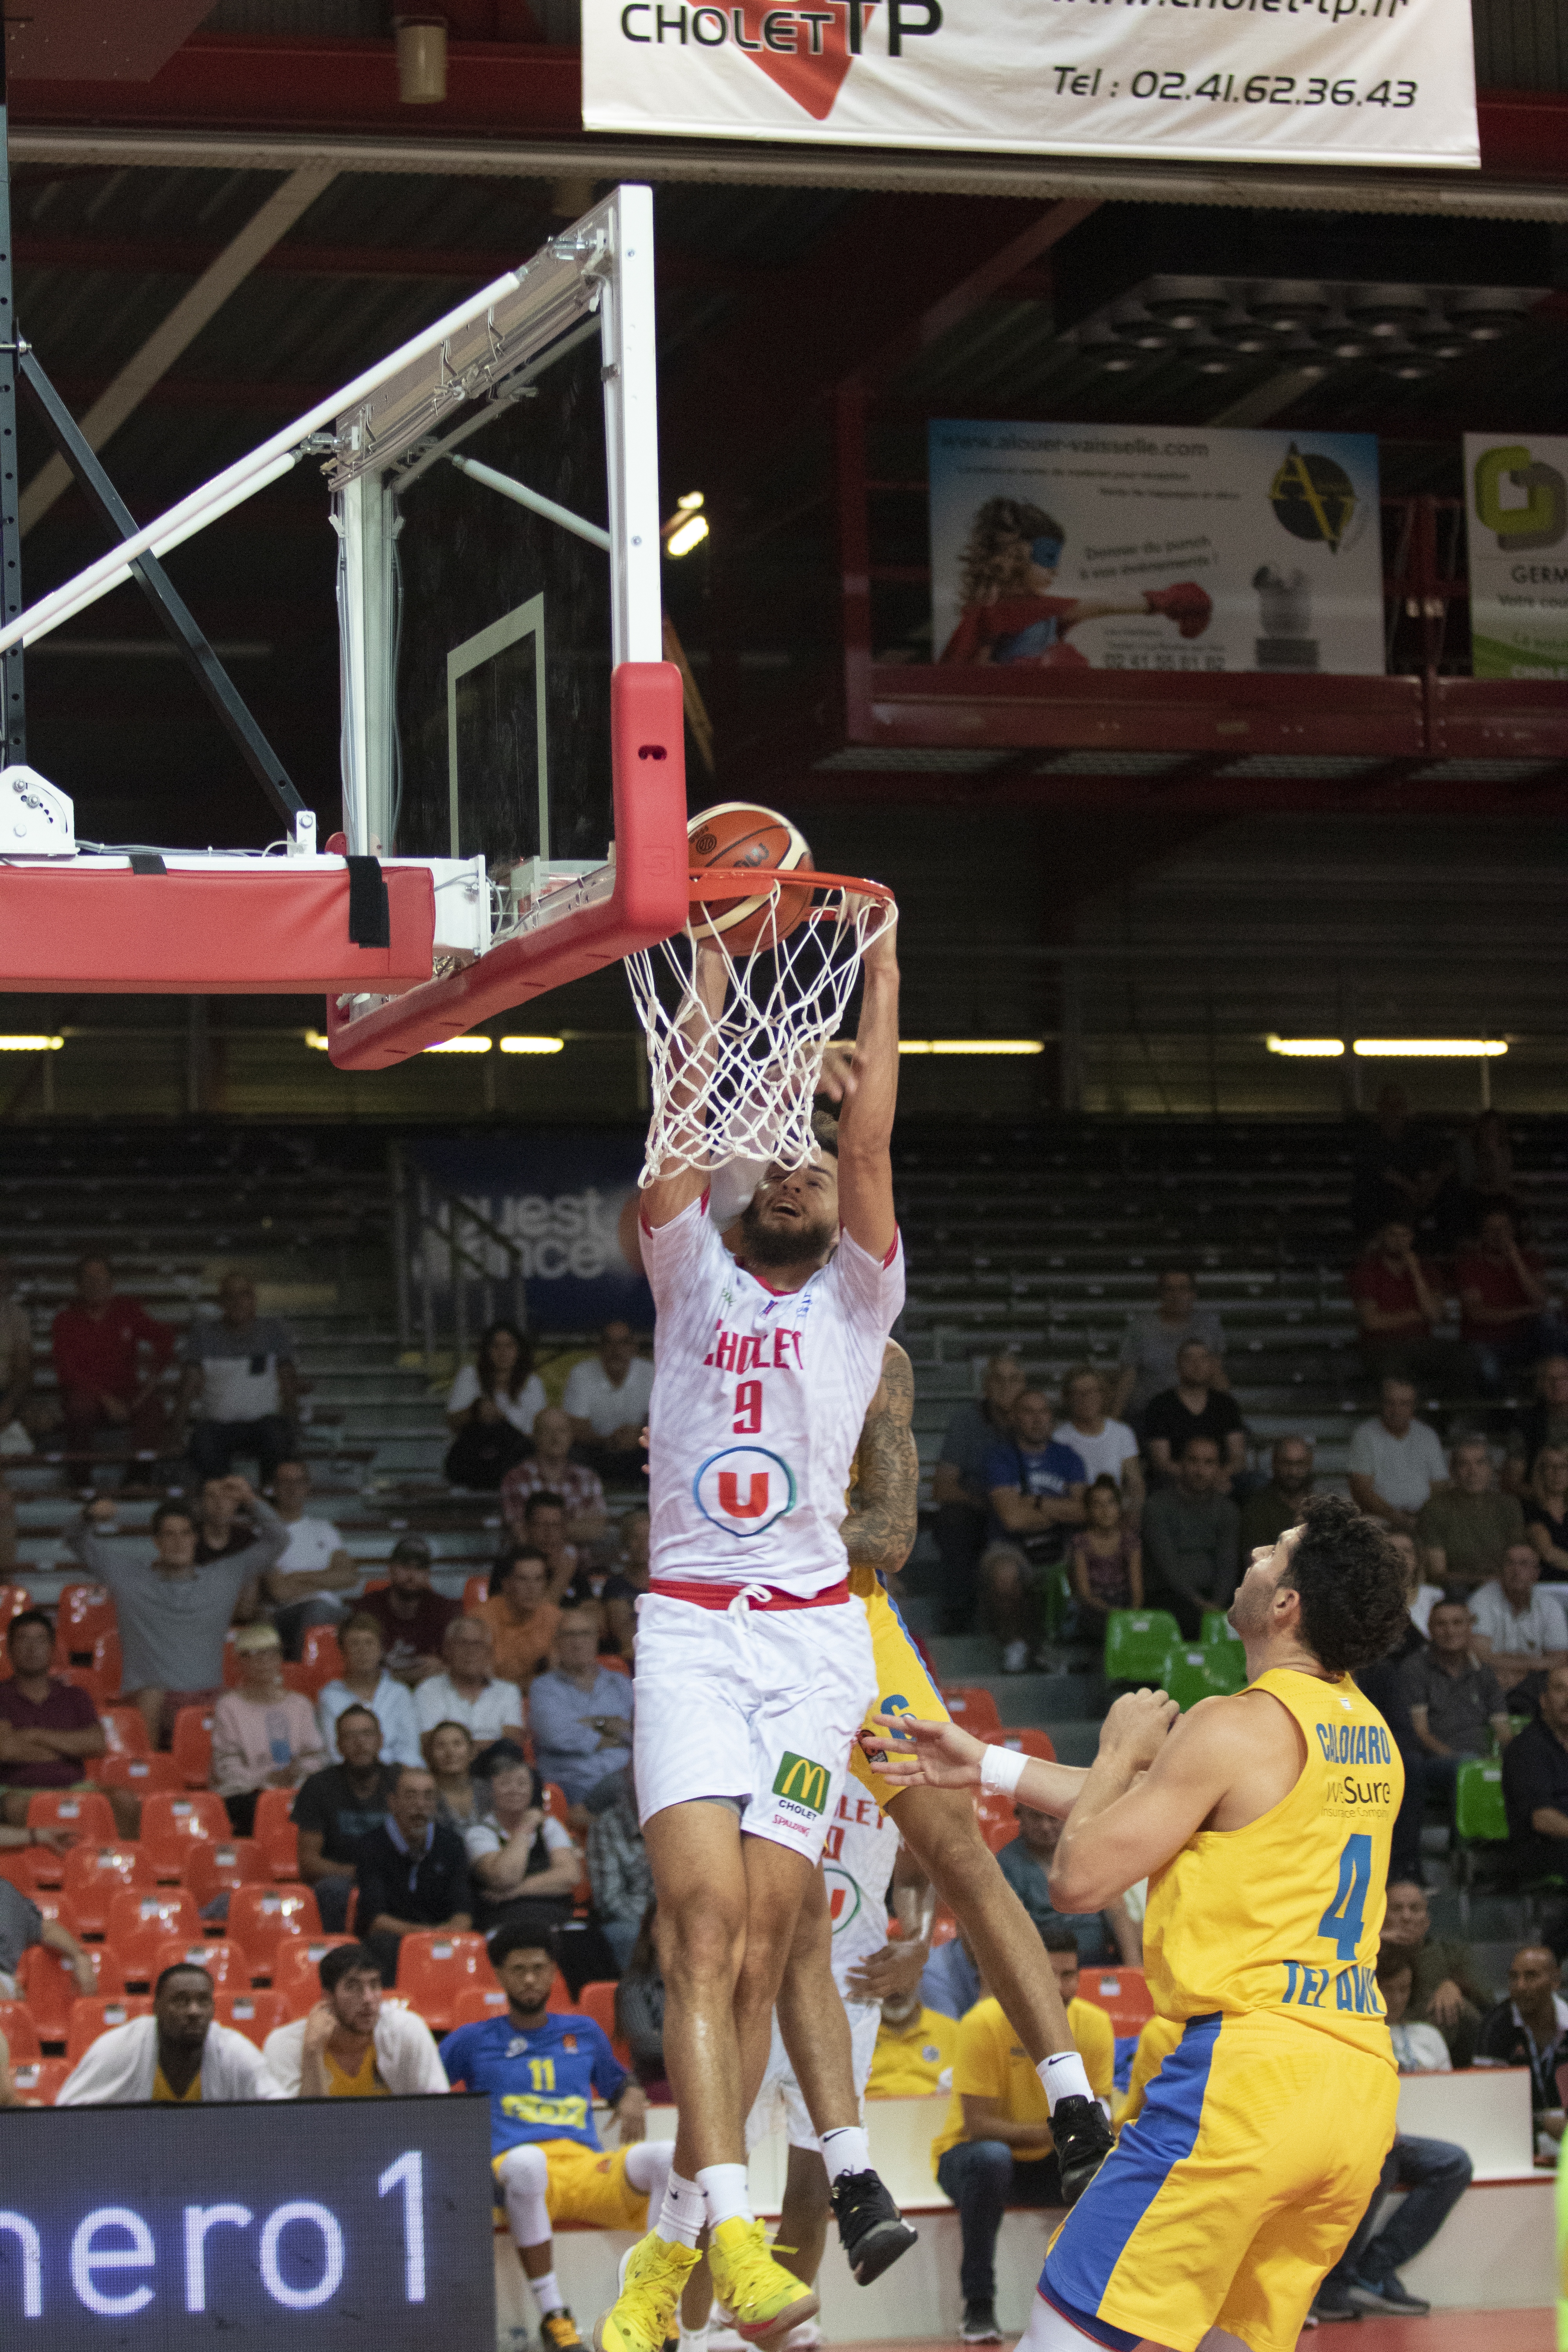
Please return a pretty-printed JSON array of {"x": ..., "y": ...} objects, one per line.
[{"x": 800, "y": 1779}]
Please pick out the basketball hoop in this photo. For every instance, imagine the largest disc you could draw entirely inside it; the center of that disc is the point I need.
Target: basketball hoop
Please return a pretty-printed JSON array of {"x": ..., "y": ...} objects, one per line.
[{"x": 737, "y": 1081}]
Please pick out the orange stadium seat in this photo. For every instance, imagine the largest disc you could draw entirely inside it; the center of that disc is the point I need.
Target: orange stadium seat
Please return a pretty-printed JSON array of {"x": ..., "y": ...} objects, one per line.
[
  {"x": 55, "y": 1904},
  {"x": 610, "y": 1664},
  {"x": 192, "y": 1745},
  {"x": 1024, "y": 1741},
  {"x": 553, "y": 1799},
  {"x": 1122, "y": 1992},
  {"x": 275, "y": 1833},
  {"x": 999, "y": 1821},
  {"x": 261, "y": 1918},
  {"x": 477, "y": 2003},
  {"x": 943, "y": 1926},
  {"x": 230, "y": 1661},
  {"x": 295, "y": 1963},
  {"x": 125, "y": 1729},
  {"x": 140, "y": 1923},
  {"x": 106, "y": 1665},
  {"x": 171, "y": 1825},
  {"x": 254, "y": 2014},
  {"x": 89, "y": 2017},
  {"x": 214, "y": 1867},
  {"x": 37, "y": 2083},
  {"x": 83, "y": 1811},
  {"x": 140, "y": 1776},
  {"x": 84, "y": 1611},
  {"x": 561, "y": 2003},
  {"x": 321, "y": 1658},
  {"x": 50, "y": 1989},
  {"x": 475, "y": 1589},
  {"x": 433, "y": 1968},
  {"x": 20, "y": 2029},
  {"x": 88, "y": 1679},
  {"x": 598, "y": 2001},
  {"x": 95, "y": 1873},
  {"x": 13, "y": 1598},
  {"x": 224, "y": 1962},
  {"x": 22, "y": 1866},
  {"x": 974, "y": 1707}
]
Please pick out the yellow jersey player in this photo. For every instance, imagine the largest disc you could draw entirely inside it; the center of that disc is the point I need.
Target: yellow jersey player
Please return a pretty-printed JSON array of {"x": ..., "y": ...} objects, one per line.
[{"x": 1262, "y": 1822}]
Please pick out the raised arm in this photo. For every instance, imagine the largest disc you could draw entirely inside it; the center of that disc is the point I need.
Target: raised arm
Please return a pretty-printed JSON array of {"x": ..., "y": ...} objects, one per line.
[{"x": 870, "y": 1099}]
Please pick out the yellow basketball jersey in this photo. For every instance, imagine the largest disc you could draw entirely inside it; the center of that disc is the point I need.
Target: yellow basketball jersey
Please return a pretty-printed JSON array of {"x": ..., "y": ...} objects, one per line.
[{"x": 1285, "y": 1914}]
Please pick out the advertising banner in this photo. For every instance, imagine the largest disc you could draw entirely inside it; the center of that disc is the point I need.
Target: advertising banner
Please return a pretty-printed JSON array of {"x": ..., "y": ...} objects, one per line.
[
  {"x": 1517, "y": 515},
  {"x": 568, "y": 1199},
  {"x": 1116, "y": 547},
  {"x": 1270, "y": 81}
]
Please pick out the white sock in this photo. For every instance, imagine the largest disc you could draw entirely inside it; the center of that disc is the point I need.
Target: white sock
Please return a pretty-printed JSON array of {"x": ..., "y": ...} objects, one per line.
[
  {"x": 547, "y": 2295},
  {"x": 683, "y": 2213},
  {"x": 694, "y": 2339},
  {"x": 724, "y": 2186},
  {"x": 1062, "y": 2077},
  {"x": 846, "y": 2149},
  {"x": 648, "y": 2165}
]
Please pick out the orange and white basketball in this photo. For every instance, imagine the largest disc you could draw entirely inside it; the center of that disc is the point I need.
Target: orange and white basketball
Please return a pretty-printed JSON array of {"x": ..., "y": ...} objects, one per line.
[{"x": 737, "y": 834}]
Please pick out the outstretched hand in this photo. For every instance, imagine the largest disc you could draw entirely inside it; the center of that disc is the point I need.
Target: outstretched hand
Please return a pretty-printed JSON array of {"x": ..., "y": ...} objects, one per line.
[{"x": 916, "y": 1753}]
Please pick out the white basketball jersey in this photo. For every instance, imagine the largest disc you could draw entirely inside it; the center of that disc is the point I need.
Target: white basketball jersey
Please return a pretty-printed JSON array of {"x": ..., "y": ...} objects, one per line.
[
  {"x": 857, "y": 1860},
  {"x": 758, "y": 1400}
]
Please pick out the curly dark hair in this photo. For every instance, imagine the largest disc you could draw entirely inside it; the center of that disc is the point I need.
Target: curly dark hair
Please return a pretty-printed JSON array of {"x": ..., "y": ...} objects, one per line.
[
  {"x": 1352, "y": 1584},
  {"x": 998, "y": 543}
]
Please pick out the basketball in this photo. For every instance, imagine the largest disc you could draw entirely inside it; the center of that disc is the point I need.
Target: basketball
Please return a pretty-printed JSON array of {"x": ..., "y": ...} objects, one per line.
[{"x": 733, "y": 832}]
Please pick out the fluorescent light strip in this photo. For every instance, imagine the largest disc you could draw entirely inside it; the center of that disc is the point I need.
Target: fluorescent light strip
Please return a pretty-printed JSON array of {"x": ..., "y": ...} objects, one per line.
[
  {"x": 532, "y": 1044},
  {"x": 31, "y": 1045},
  {"x": 1307, "y": 1049},
  {"x": 1429, "y": 1049},
  {"x": 470, "y": 1045},
  {"x": 971, "y": 1046}
]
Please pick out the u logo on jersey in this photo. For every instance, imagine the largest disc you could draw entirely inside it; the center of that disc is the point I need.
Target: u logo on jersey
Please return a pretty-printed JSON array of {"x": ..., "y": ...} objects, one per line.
[{"x": 745, "y": 1490}]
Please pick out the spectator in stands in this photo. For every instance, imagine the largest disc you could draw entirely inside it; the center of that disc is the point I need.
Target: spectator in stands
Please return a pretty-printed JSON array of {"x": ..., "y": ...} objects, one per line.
[
  {"x": 23, "y": 1925},
  {"x": 1535, "y": 1785},
  {"x": 994, "y": 2149},
  {"x": 458, "y": 1795},
  {"x": 626, "y": 1583},
  {"x": 1383, "y": 1682},
  {"x": 551, "y": 1471},
  {"x": 179, "y": 2056},
  {"x": 1519, "y": 1630},
  {"x": 501, "y": 1386},
  {"x": 606, "y": 1400},
  {"x": 959, "y": 1490},
  {"x": 949, "y": 1980},
  {"x": 1545, "y": 1500},
  {"x": 239, "y": 1377},
  {"x": 1468, "y": 1526},
  {"x": 1531, "y": 2029},
  {"x": 1149, "y": 1348},
  {"x": 1435, "y": 2172},
  {"x": 1106, "y": 1557},
  {"x": 1035, "y": 1487},
  {"x": 1398, "y": 1302},
  {"x": 264, "y": 1735},
  {"x": 1270, "y": 1510},
  {"x": 108, "y": 1354},
  {"x": 518, "y": 1853},
  {"x": 306, "y": 1586},
  {"x": 1191, "y": 1540},
  {"x": 1396, "y": 1462},
  {"x": 1026, "y": 1865},
  {"x": 522, "y": 1623},
  {"x": 413, "y": 1617},
  {"x": 1422, "y": 1597},
  {"x": 1507, "y": 1315},
  {"x": 546, "y": 2154},
  {"x": 354, "y": 2044},
  {"x": 579, "y": 1711},
  {"x": 1543, "y": 1423},
  {"x": 1456, "y": 1703},
  {"x": 639, "y": 2011},
  {"x": 915, "y": 2050},
  {"x": 223, "y": 1521},
  {"x": 1195, "y": 1408},
  {"x": 1447, "y": 1991},
  {"x": 337, "y": 1808},
  {"x": 619, "y": 1871},
  {"x": 544, "y": 1530},
  {"x": 467, "y": 1692},
  {"x": 412, "y": 1871},
  {"x": 1400, "y": 1169},
  {"x": 1485, "y": 1167},
  {"x": 364, "y": 1682},
  {"x": 1107, "y": 1448},
  {"x": 172, "y": 1615},
  {"x": 48, "y": 1728}
]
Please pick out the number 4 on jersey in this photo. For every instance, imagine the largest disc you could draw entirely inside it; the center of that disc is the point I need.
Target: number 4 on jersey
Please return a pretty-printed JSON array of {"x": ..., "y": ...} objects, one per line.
[{"x": 1341, "y": 1923}]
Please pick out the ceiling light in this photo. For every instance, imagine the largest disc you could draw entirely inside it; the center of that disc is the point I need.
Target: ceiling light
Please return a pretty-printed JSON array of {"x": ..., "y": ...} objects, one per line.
[
  {"x": 1307, "y": 1049},
  {"x": 972, "y": 1044},
  {"x": 1433, "y": 1049},
  {"x": 31, "y": 1045},
  {"x": 317, "y": 1042},
  {"x": 692, "y": 533},
  {"x": 459, "y": 1045},
  {"x": 1289, "y": 303},
  {"x": 691, "y": 502},
  {"x": 1388, "y": 306},
  {"x": 532, "y": 1044}
]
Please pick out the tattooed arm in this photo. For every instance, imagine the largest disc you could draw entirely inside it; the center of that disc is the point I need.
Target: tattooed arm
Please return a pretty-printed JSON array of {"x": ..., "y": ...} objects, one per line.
[{"x": 879, "y": 1531}]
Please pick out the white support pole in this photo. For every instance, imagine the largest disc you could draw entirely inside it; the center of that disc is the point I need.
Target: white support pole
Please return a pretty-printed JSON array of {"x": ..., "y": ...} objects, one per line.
[
  {"x": 631, "y": 435},
  {"x": 534, "y": 500},
  {"x": 366, "y": 521}
]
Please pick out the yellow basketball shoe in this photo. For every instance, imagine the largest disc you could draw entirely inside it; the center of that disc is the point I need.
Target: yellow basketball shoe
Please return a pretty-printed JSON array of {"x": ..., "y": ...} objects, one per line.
[
  {"x": 643, "y": 2313},
  {"x": 766, "y": 2300}
]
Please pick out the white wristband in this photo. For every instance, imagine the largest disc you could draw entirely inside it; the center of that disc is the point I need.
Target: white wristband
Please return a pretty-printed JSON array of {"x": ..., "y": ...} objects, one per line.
[{"x": 1000, "y": 1769}]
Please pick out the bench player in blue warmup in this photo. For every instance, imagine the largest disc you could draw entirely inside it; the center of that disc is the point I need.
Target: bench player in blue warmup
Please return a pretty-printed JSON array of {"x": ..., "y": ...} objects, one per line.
[{"x": 542, "y": 2071}]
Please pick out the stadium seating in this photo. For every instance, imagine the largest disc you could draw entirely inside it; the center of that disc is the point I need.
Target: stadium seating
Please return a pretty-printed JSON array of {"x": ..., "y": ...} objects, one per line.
[
  {"x": 275, "y": 1833},
  {"x": 216, "y": 1866},
  {"x": 259, "y": 1917},
  {"x": 83, "y": 1811},
  {"x": 140, "y": 1923},
  {"x": 560, "y": 2003},
  {"x": 1136, "y": 1641},
  {"x": 1184, "y": 1674},
  {"x": 38, "y": 2082},
  {"x": 20, "y": 1864},
  {"x": 321, "y": 1658},
  {"x": 435, "y": 1968},
  {"x": 92, "y": 2016},
  {"x": 13, "y": 1598},
  {"x": 50, "y": 1989},
  {"x": 93, "y": 1875},
  {"x": 1122, "y": 1992},
  {"x": 254, "y": 2014},
  {"x": 598, "y": 2001},
  {"x": 83, "y": 1613},
  {"x": 479, "y": 2001},
  {"x": 125, "y": 1729},
  {"x": 141, "y": 1776},
  {"x": 226, "y": 1963},
  {"x": 973, "y": 1705},
  {"x": 475, "y": 1589},
  {"x": 1024, "y": 1739},
  {"x": 20, "y": 2029},
  {"x": 295, "y": 1962},
  {"x": 999, "y": 1821},
  {"x": 171, "y": 1825},
  {"x": 192, "y": 1745}
]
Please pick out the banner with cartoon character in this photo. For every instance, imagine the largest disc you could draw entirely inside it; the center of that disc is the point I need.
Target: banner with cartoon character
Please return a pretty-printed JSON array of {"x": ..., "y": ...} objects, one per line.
[
  {"x": 1270, "y": 81},
  {"x": 1517, "y": 515},
  {"x": 1114, "y": 547}
]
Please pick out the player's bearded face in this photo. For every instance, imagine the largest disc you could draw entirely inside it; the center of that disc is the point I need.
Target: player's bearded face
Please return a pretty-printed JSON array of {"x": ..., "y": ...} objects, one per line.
[{"x": 785, "y": 1224}]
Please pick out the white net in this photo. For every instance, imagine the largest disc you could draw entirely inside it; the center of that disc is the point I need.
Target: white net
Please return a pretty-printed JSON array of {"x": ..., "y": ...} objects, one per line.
[{"x": 735, "y": 1040}]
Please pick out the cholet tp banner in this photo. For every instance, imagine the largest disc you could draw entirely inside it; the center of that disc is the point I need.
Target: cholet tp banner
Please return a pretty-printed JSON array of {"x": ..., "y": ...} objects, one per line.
[
  {"x": 567, "y": 1198},
  {"x": 1517, "y": 519},
  {"x": 1074, "y": 546},
  {"x": 1271, "y": 81}
]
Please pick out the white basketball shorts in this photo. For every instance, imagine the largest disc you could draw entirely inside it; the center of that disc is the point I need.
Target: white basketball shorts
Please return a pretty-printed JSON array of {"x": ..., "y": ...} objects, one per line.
[
  {"x": 758, "y": 1705},
  {"x": 779, "y": 2102}
]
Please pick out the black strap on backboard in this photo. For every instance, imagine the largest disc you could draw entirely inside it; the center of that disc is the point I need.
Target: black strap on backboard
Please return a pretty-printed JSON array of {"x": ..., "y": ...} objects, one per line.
[{"x": 370, "y": 909}]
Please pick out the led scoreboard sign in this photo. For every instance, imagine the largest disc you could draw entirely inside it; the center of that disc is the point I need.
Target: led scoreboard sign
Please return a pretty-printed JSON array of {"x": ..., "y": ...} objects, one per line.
[{"x": 342, "y": 2221}]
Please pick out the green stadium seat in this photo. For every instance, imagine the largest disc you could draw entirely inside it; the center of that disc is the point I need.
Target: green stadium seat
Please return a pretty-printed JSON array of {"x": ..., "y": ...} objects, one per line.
[
  {"x": 1136, "y": 1642},
  {"x": 1215, "y": 1628},
  {"x": 1478, "y": 1814},
  {"x": 1226, "y": 1663},
  {"x": 1190, "y": 1673}
]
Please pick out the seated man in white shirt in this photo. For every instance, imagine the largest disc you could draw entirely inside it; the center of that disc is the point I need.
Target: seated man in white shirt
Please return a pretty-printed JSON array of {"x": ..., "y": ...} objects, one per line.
[
  {"x": 304, "y": 1587},
  {"x": 354, "y": 2045},
  {"x": 487, "y": 1706},
  {"x": 179, "y": 2056},
  {"x": 607, "y": 1399},
  {"x": 1518, "y": 1630},
  {"x": 1397, "y": 1463}
]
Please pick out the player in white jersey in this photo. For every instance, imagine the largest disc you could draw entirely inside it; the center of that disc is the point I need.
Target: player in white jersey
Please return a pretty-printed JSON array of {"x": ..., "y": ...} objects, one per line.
[{"x": 755, "y": 1665}]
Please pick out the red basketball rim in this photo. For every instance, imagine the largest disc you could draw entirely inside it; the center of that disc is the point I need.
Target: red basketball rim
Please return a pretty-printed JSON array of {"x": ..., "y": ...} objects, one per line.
[{"x": 741, "y": 882}]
